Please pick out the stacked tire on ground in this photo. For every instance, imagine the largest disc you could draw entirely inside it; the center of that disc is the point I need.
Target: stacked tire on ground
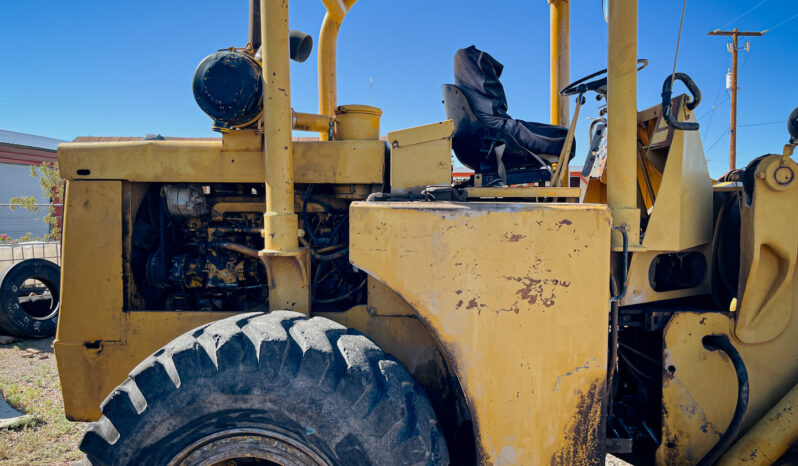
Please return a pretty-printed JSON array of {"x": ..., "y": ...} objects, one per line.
[
  {"x": 30, "y": 309},
  {"x": 264, "y": 389}
]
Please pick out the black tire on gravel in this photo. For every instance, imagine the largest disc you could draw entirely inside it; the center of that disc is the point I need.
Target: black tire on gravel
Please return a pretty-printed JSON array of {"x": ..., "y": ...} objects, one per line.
[
  {"x": 318, "y": 386},
  {"x": 30, "y": 316}
]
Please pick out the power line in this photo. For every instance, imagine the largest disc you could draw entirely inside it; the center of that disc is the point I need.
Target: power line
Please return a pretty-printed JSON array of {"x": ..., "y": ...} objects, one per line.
[
  {"x": 718, "y": 140},
  {"x": 785, "y": 21},
  {"x": 711, "y": 113},
  {"x": 780, "y": 122},
  {"x": 744, "y": 14},
  {"x": 718, "y": 102}
]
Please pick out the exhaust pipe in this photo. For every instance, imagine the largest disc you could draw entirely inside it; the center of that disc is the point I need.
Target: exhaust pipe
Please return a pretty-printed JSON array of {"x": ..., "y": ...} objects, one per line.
[
  {"x": 254, "y": 24},
  {"x": 300, "y": 44}
]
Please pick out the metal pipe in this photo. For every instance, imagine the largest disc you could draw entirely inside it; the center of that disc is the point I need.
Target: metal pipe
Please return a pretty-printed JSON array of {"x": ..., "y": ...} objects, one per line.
[
  {"x": 311, "y": 122},
  {"x": 770, "y": 437},
  {"x": 733, "y": 117},
  {"x": 561, "y": 176},
  {"x": 235, "y": 247},
  {"x": 280, "y": 223},
  {"x": 328, "y": 39},
  {"x": 336, "y": 8},
  {"x": 254, "y": 24},
  {"x": 622, "y": 121},
  {"x": 560, "y": 57}
]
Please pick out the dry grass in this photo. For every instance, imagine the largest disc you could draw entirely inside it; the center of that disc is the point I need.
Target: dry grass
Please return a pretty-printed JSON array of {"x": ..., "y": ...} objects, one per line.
[{"x": 29, "y": 382}]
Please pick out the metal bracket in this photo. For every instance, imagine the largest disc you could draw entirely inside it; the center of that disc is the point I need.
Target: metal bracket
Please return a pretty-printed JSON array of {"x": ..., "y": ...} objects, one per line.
[{"x": 622, "y": 291}]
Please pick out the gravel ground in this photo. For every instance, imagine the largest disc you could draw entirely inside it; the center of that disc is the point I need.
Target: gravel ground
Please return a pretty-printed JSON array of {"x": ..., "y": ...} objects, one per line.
[{"x": 29, "y": 382}]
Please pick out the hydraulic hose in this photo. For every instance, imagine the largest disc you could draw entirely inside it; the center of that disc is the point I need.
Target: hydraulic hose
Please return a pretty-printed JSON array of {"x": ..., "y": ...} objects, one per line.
[
  {"x": 667, "y": 111},
  {"x": 722, "y": 343}
]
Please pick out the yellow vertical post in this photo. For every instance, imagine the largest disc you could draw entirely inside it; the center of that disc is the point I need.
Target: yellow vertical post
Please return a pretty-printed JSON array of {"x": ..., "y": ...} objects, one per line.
[
  {"x": 560, "y": 56},
  {"x": 287, "y": 265},
  {"x": 280, "y": 221},
  {"x": 328, "y": 41},
  {"x": 622, "y": 121}
]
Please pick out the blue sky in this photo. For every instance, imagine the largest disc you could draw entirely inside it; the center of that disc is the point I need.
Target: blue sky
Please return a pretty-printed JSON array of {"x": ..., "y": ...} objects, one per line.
[{"x": 105, "y": 68}]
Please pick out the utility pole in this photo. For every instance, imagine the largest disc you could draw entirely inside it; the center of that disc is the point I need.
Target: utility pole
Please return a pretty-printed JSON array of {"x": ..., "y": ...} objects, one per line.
[{"x": 734, "y": 34}]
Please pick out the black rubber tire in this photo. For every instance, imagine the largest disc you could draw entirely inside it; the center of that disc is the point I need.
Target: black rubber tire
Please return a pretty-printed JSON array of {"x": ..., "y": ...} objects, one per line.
[
  {"x": 313, "y": 380},
  {"x": 13, "y": 318}
]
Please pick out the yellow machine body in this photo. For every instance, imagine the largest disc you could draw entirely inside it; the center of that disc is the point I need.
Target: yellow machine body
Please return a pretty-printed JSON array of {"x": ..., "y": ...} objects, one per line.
[
  {"x": 499, "y": 296},
  {"x": 493, "y": 310}
]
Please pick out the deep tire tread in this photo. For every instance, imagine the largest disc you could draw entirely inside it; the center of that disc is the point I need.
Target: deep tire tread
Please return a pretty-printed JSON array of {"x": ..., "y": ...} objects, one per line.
[{"x": 316, "y": 356}]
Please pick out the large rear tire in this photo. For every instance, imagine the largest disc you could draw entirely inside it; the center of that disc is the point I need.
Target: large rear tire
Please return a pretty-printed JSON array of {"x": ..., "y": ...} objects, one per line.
[{"x": 275, "y": 387}]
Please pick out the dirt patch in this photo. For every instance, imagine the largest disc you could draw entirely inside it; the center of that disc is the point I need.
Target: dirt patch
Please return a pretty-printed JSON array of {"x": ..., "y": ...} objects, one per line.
[{"x": 29, "y": 382}]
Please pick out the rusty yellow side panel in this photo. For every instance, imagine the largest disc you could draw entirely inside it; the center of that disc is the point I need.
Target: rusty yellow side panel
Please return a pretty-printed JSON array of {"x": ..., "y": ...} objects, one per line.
[
  {"x": 89, "y": 373},
  {"x": 504, "y": 288},
  {"x": 97, "y": 344},
  {"x": 91, "y": 269},
  {"x": 206, "y": 162}
]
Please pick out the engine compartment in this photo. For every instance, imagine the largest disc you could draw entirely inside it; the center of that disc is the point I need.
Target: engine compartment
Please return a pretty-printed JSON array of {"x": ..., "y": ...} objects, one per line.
[{"x": 195, "y": 247}]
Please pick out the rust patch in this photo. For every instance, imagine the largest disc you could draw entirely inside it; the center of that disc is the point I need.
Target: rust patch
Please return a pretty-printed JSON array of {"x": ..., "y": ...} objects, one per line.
[
  {"x": 533, "y": 289},
  {"x": 584, "y": 434},
  {"x": 472, "y": 304},
  {"x": 458, "y": 292},
  {"x": 530, "y": 290},
  {"x": 514, "y": 238},
  {"x": 564, "y": 222},
  {"x": 459, "y": 304}
]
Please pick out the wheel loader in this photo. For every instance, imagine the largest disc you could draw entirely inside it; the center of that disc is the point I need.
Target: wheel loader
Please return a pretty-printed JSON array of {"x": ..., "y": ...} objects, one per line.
[{"x": 257, "y": 299}]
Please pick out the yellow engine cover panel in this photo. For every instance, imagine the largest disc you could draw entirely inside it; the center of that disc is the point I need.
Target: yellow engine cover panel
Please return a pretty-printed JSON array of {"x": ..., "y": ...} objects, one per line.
[
  {"x": 421, "y": 156},
  {"x": 518, "y": 296}
]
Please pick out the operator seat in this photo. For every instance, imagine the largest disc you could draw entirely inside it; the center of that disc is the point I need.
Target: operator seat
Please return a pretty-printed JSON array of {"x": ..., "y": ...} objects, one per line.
[{"x": 486, "y": 138}]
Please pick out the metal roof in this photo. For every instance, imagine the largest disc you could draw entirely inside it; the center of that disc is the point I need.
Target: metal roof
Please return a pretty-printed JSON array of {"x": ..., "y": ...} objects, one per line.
[{"x": 28, "y": 140}]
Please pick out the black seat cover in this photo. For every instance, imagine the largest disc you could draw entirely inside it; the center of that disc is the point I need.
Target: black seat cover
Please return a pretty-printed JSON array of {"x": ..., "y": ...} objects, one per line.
[{"x": 478, "y": 106}]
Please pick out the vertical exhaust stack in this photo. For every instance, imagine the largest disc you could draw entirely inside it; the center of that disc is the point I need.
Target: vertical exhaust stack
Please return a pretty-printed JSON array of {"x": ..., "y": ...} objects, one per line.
[
  {"x": 280, "y": 221},
  {"x": 254, "y": 24},
  {"x": 287, "y": 265},
  {"x": 328, "y": 38},
  {"x": 622, "y": 122},
  {"x": 560, "y": 57}
]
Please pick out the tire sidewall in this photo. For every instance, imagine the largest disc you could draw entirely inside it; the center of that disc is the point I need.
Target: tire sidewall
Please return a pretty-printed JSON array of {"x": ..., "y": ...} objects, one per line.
[
  {"x": 251, "y": 412},
  {"x": 13, "y": 319}
]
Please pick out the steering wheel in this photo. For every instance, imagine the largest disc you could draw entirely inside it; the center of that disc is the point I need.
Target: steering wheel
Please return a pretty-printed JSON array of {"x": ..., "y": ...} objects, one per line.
[{"x": 580, "y": 86}]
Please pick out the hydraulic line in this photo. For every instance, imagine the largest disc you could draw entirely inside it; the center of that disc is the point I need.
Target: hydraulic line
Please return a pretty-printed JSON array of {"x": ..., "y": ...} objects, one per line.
[{"x": 722, "y": 343}]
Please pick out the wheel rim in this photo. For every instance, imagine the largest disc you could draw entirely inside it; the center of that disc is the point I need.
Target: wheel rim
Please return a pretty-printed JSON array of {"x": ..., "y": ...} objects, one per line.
[
  {"x": 247, "y": 447},
  {"x": 33, "y": 309}
]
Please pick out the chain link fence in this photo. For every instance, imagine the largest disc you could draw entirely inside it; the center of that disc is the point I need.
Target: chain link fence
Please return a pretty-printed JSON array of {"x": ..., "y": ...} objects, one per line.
[
  {"x": 17, "y": 223},
  {"x": 23, "y": 233}
]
